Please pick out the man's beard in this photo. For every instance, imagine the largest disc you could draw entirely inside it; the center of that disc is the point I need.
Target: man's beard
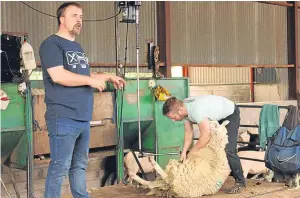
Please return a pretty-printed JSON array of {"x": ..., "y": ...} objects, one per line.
[{"x": 74, "y": 31}]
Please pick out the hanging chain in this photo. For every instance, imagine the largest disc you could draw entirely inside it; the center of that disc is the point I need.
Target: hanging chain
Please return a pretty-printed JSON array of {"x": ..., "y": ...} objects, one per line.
[{"x": 155, "y": 23}]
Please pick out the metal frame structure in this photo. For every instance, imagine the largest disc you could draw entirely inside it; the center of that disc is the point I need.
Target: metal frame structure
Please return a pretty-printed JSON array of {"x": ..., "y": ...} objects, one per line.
[
  {"x": 28, "y": 131},
  {"x": 164, "y": 36},
  {"x": 253, "y": 126}
]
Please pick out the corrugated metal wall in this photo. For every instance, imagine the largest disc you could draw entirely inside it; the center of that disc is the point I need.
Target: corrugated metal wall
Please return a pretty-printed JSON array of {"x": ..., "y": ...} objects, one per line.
[
  {"x": 97, "y": 38},
  {"x": 227, "y": 33},
  {"x": 201, "y": 32}
]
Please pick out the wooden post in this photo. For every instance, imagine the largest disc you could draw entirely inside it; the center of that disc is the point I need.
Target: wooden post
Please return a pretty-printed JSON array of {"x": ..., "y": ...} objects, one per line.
[
  {"x": 164, "y": 34},
  {"x": 292, "y": 34}
]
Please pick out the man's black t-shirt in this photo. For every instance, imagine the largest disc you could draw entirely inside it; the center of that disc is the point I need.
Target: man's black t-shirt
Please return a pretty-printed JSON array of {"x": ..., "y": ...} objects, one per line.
[{"x": 62, "y": 101}]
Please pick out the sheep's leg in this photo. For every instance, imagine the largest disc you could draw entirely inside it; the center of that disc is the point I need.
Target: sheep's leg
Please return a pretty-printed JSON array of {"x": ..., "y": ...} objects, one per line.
[
  {"x": 158, "y": 169},
  {"x": 139, "y": 180},
  {"x": 256, "y": 176},
  {"x": 269, "y": 175},
  {"x": 296, "y": 180}
]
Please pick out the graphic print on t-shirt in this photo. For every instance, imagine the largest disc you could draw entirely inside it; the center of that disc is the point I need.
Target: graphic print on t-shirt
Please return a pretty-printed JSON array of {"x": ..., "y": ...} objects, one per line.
[{"x": 75, "y": 58}]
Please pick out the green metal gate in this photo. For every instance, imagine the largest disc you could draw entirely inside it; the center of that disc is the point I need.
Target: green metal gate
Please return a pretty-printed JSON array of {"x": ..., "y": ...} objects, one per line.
[{"x": 159, "y": 134}]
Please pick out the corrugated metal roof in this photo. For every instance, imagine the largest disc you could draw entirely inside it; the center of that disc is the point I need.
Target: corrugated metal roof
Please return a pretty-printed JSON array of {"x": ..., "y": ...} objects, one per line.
[{"x": 97, "y": 38}]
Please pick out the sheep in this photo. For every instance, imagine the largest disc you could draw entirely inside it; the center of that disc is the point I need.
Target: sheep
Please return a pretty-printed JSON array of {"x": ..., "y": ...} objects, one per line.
[
  {"x": 202, "y": 173},
  {"x": 293, "y": 181},
  {"x": 130, "y": 164},
  {"x": 246, "y": 136},
  {"x": 254, "y": 167}
]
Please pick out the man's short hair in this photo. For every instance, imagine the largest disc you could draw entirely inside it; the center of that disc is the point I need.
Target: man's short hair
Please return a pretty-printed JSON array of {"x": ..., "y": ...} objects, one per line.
[
  {"x": 60, "y": 11},
  {"x": 170, "y": 104}
]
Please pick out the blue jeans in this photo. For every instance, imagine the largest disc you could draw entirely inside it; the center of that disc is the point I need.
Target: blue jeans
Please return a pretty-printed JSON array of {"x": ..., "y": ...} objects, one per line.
[{"x": 69, "y": 147}]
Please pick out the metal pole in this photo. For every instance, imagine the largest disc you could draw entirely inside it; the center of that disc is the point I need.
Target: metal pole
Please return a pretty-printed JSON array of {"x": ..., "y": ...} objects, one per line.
[
  {"x": 159, "y": 154},
  {"x": 28, "y": 115},
  {"x": 138, "y": 76}
]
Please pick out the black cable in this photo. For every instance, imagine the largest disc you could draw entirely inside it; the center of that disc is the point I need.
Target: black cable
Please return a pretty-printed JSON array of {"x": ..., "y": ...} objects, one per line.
[
  {"x": 16, "y": 78},
  {"x": 116, "y": 41},
  {"x": 89, "y": 20}
]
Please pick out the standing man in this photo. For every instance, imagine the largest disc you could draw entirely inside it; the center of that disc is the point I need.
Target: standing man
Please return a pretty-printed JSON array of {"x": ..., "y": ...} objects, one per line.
[
  {"x": 69, "y": 100},
  {"x": 200, "y": 110}
]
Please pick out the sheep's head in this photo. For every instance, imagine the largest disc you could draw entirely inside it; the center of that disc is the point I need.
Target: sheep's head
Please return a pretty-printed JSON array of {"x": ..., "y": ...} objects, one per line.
[
  {"x": 243, "y": 136},
  {"x": 219, "y": 137}
]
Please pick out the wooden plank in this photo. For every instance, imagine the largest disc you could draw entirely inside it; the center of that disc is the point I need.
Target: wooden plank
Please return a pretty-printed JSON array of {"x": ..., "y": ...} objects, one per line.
[
  {"x": 292, "y": 46},
  {"x": 15, "y": 33},
  {"x": 164, "y": 34},
  {"x": 101, "y": 136},
  {"x": 278, "y": 3},
  {"x": 162, "y": 64},
  {"x": 39, "y": 107},
  {"x": 261, "y": 189},
  {"x": 239, "y": 65},
  {"x": 41, "y": 142},
  {"x": 103, "y": 109},
  {"x": 94, "y": 174},
  {"x": 103, "y": 105},
  {"x": 40, "y": 171},
  {"x": 39, "y": 185}
]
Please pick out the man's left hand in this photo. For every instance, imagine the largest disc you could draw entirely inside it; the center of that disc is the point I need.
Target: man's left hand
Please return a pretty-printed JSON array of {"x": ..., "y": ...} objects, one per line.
[{"x": 118, "y": 82}]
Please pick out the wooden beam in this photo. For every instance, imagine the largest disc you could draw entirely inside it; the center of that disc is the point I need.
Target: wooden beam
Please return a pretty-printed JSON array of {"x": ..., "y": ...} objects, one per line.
[
  {"x": 127, "y": 65},
  {"x": 113, "y": 65},
  {"x": 240, "y": 65},
  {"x": 15, "y": 33},
  {"x": 278, "y": 3},
  {"x": 292, "y": 46},
  {"x": 164, "y": 34}
]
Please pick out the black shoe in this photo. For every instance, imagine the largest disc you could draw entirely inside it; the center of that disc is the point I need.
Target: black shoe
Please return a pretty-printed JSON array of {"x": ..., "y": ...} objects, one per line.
[{"x": 237, "y": 188}]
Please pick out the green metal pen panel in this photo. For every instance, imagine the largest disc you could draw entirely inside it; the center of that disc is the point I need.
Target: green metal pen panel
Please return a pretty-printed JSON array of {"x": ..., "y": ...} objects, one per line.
[
  {"x": 12, "y": 120},
  {"x": 15, "y": 123},
  {"x": 130, "y": 111},
  {"x": 170, "y": 134},
  {"x": 156, "y": 129}
]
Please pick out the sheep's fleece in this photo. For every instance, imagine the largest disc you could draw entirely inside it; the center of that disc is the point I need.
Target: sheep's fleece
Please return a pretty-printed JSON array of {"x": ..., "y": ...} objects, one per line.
[{"x": 203, "y": 173}]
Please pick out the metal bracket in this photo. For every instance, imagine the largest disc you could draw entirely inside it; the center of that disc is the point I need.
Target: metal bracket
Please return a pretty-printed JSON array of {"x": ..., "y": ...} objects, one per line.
[{"x": 97, "y": 123}]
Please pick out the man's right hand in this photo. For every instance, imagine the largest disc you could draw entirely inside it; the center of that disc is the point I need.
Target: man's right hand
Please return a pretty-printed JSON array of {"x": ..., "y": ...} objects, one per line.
[
  {"x": 182, "y": 157},
  {"x": 97, "y": 83}
]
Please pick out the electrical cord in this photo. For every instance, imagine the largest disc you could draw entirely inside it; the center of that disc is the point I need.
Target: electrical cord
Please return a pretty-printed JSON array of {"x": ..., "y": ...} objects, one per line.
[
  {"x": 16, "y": 79},
  {"x": 88, "y": 20}
]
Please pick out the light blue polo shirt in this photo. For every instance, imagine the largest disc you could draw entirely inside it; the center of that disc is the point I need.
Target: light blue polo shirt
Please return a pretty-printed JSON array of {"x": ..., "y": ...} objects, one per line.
[{"x": 208, "y": 106}]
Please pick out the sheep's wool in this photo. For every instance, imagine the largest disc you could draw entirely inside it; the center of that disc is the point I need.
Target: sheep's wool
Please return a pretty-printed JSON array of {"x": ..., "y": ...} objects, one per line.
[{"x": 203, "y": 173}]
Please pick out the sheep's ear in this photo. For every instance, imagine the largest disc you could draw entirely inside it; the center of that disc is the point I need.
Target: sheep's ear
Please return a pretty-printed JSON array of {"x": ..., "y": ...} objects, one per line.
[{"x": 225, "y": 122}]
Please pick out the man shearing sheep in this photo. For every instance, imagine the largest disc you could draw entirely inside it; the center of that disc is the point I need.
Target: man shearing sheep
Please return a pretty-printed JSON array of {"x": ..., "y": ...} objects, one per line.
[{"x": 199, "y": 110}]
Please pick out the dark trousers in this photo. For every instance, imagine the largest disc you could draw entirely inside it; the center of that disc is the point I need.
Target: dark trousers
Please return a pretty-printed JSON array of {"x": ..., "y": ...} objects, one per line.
[{"x": 231, "y": 148}]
